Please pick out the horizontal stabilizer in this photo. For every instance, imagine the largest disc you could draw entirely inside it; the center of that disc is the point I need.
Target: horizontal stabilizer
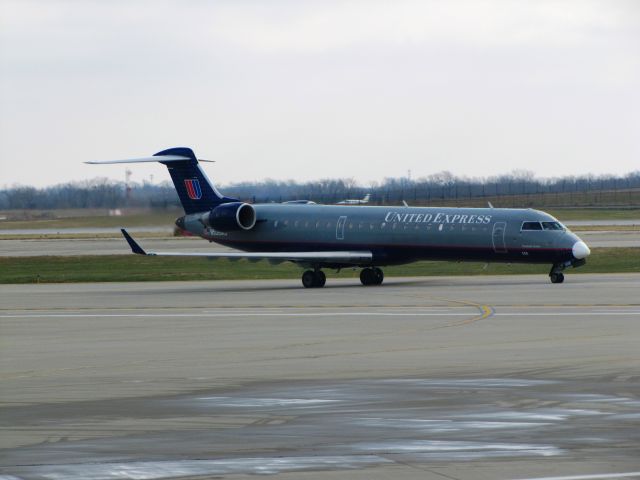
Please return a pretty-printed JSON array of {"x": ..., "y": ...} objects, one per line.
[
  {"x": 178, "y": 154},
  {"x": 159, "y": 158},
  {"x": 167, "y": 158}
]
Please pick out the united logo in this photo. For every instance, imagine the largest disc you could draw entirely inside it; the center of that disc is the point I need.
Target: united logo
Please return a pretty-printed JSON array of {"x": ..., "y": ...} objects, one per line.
[{"x": 193, "y": 188}]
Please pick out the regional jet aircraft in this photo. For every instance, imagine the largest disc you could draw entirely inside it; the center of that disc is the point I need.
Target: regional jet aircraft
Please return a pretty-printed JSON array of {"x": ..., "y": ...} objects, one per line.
[
  {"x": 367, "y": 237},
  {"x": 355, "y": 201}
]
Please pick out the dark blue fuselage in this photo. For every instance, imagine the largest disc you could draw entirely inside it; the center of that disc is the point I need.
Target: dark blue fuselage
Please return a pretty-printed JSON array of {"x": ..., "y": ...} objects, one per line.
[{"x": 397, "y": 235}]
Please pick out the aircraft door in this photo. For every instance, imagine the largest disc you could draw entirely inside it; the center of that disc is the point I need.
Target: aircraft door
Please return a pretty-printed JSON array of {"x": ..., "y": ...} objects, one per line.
[
  {"x": 340, "y": 228},
  {"x": 498, "y": 237}
]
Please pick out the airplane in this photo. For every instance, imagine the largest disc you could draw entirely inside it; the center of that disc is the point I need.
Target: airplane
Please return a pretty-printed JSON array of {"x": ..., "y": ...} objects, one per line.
[
  {"x": 320, "y": 237},
  {"x": 355, "y": 201}
]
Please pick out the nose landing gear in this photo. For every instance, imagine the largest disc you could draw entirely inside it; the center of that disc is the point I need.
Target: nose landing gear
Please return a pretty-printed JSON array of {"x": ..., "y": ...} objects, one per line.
[
  {"x": 556, "y": 277},
  {"x": 371, "y": 276},
  {"x": 314, "y": 279}
]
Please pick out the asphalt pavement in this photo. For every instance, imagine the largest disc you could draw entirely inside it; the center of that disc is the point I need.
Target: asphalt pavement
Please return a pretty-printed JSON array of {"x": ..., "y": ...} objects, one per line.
[{"x": 502, "y": 377}]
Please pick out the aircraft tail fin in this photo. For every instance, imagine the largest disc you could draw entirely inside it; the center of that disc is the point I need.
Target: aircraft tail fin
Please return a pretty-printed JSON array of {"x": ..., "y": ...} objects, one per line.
[{"x": 195, "y": 190}]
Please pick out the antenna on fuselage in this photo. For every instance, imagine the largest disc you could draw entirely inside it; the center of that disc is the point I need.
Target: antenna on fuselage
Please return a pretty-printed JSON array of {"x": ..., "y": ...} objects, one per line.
[
  {"x": 405, "y": 204},
  {"x": 490, "y": 204}
]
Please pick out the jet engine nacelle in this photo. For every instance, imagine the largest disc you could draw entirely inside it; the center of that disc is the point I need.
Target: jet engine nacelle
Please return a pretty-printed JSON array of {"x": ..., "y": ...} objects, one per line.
[{"x": 230, "y": 217}]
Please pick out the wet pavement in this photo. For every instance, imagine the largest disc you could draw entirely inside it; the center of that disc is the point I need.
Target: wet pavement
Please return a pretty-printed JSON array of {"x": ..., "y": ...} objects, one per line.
[{"x": 276, "y": 428}]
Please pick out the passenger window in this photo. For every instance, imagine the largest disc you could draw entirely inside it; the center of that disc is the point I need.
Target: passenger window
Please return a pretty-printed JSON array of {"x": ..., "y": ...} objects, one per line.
[
  {"x": 551, "y": 226},
  {"x": 531, "y": 226}
]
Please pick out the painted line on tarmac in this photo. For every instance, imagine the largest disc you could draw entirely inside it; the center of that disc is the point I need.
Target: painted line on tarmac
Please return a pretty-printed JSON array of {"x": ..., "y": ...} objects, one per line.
[
  {"x": 486, "y": 313},
  {"x": 597, "y": 476},
  {"x": 431, "y": 307},
  {"x": 563, "y": 314},
  {"x": 243, "y": 314}
]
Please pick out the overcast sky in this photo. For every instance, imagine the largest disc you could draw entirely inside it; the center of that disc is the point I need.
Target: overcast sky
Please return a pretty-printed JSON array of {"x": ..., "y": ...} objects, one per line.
[{"x": 314, "y": 89}]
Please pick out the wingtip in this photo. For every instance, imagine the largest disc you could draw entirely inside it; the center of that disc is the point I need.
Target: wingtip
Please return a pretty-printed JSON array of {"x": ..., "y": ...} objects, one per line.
[{"x": 135, "y": 248}]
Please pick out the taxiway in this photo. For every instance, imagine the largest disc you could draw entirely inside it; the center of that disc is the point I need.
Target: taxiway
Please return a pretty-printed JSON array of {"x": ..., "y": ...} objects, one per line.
[{"x": 502, "y": 377}]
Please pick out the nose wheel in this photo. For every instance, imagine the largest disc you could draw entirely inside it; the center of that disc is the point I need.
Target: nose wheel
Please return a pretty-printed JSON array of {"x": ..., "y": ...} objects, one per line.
[
  {"x": 371, "y": 276},
  {"x": 556, "y": 277},
  {"x": 314, "y": 279}
]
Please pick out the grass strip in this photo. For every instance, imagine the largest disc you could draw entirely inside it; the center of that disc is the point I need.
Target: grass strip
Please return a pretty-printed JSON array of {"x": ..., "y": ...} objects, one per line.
[
  {"x": 162, "y": 219},
  {"x": 566, "y": 214},
  {"x": 83, "y": 236},
  {"x": 601, "y": 228},
  {"x": 129, "y": 268}
]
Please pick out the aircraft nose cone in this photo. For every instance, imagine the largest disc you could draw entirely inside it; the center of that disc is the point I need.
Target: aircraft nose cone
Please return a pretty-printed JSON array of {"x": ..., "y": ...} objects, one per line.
[{"x": 580, "y": 250}]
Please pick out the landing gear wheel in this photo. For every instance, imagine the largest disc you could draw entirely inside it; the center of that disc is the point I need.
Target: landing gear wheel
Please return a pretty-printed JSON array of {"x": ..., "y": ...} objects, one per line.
[
  {"x": 367, "y": 276},
  {"x": 371, "y": 276},
  {"x": 308, "y": 279},
  {"x": 379, "y": 276},
  {"x": 556, "y": 277},
  {"x": 321, "y": 279},
  {"x": 313, "y": 279}
]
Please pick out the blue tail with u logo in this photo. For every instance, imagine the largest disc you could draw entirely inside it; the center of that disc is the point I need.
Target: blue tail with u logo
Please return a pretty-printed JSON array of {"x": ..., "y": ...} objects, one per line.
[{"x": 196, "y": 192}]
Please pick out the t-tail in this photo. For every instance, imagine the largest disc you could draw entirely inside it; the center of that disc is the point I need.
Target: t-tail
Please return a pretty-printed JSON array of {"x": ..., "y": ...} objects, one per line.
[{"x": 196, "y": 192}]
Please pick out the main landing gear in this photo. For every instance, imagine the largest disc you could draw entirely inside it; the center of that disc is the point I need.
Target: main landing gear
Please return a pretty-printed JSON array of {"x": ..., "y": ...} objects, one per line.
[
  {"x": 314, "y": 279},
  {"x": 371, "y": 276},
  {"x": 317, "y": 278}
]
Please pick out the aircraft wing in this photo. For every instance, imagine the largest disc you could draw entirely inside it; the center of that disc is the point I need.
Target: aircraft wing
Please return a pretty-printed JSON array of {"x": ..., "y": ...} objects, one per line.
[{"x": 347, "y": 257}]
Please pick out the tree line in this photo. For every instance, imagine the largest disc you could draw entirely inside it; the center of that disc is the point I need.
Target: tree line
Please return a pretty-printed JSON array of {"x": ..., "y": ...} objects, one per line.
[{"x": 517, "y": 188}]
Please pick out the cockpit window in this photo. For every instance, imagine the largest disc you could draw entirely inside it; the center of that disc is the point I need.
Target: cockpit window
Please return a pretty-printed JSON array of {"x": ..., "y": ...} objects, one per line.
[
  {"x": 551, "y": 226},
  {"x": 531, "y": 226}
]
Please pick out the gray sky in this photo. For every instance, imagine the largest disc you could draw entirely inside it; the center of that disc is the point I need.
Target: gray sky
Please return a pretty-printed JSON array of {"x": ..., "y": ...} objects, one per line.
[{"x": 312, "y": 89}]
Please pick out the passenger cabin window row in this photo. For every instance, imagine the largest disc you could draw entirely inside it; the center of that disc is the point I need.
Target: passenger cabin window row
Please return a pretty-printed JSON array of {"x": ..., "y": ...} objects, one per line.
[
  {"x": 529, "y": 226},
  {"x": 322, "y": 224}
]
